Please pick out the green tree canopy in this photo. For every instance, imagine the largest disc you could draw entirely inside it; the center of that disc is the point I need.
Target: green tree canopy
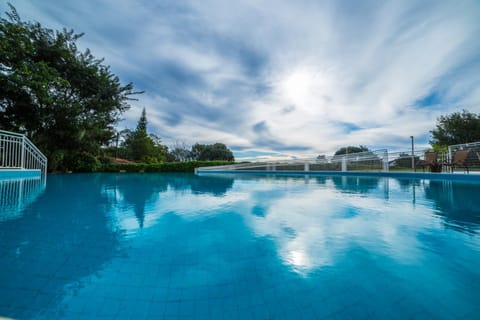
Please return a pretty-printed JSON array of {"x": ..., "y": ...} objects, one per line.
[
  {"x": 456, "y": 128},
  {"x": 207, "y": 152},
  {"x": 350, "y": 149},
  {"x": 66, "y": 101},
  {"x": 179, "y": 152}
]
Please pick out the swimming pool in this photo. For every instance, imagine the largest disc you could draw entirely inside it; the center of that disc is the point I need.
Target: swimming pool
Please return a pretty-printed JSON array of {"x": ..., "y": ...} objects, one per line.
[{"x": 180, "y": 246}]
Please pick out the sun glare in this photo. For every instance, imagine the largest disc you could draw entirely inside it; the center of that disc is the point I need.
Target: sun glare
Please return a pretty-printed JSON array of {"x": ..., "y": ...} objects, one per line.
[{"x": 297, "y": 86}]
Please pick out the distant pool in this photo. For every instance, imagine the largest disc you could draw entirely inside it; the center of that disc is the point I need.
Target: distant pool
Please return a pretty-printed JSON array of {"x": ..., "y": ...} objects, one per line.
[{"x": 180, "y": 246}]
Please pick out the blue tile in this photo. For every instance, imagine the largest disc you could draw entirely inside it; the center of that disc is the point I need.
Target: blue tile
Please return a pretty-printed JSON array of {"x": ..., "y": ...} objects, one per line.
[{"x": 84, "y": 258}]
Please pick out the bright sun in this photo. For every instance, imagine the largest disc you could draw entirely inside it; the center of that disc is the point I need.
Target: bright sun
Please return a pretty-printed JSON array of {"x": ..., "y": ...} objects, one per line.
[{"x": 298, "y": 86}]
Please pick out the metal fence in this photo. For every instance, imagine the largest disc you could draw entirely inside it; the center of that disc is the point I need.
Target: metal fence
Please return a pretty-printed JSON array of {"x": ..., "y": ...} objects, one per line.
[
  {"x": 472, "y": 151},
  {"x": 450, "y": 160},
  {"x": 18, "y": 152},
  {"x": 363, "y": 161},
  {"x": 406, "y": 161},
  {"x": 379, "y": 160}
]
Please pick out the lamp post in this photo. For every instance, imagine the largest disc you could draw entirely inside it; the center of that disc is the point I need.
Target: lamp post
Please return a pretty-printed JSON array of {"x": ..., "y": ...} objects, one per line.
[
  {"x": 413, "y": 154},
  {"x": 116, "y": 145}
]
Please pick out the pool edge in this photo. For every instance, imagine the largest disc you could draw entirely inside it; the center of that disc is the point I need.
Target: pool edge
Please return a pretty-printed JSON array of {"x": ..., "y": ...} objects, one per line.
[{"x": 19, "y": 173}]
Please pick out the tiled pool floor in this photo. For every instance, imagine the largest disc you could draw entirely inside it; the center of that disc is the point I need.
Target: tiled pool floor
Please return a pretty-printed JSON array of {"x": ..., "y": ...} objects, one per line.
[{"x": 188, "y": 247}]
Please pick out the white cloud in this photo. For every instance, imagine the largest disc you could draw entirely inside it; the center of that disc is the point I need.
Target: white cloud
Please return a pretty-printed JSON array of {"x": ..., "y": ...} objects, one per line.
[{"x": 318, "y": 75}]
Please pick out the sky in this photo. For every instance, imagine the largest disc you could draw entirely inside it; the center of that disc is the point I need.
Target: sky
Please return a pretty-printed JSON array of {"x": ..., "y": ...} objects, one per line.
[{"x": 282, "y": 79}]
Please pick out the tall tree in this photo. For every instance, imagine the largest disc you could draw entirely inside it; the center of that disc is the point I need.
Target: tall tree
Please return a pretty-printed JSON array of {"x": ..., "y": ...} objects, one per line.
[
  {"x": 142, "y": 123},
  {"x": 66, "y": 101},
  {"x": 456, "y": 128},
  {"x": 141, "y": 146}
]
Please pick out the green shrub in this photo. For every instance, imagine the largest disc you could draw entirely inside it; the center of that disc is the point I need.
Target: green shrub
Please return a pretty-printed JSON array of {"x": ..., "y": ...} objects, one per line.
[
  {"x": 161, "y": 167},
  {"x": 84, "y": 162},
  {"x": 105, "y": 160},
  {"x": 56, "y": 161},
  {"x": 149, "y": 160}
]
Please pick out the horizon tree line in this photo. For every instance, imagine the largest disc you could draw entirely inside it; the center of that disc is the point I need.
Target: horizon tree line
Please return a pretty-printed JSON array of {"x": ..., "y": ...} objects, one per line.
[{"x": 140, "y": 146}]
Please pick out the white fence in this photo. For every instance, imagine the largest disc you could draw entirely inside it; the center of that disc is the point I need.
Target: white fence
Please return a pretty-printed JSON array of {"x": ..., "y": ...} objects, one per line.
[
  {"x": 18, "y": 152},
  {"x": 447, "y": 160},
  {"x": 362, "y": 161},
  {"x": 472, "y": 160},
  {"x": 380, "y": 160}
]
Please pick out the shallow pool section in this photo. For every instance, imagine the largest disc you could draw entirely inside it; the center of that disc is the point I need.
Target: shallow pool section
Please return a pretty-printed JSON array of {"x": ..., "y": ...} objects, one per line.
[{"x": 180, "y": 246}]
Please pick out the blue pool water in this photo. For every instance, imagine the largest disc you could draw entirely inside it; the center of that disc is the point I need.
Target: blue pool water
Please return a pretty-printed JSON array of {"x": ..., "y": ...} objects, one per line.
[{"x": 180, "y": 246}]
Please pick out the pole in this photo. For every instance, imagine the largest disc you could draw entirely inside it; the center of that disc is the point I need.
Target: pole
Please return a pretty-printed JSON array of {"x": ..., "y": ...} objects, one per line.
[
  {"x": 116, "y": 145},
  {"x": 22, "y": 161},
  {"x": 413, "y": 154}
]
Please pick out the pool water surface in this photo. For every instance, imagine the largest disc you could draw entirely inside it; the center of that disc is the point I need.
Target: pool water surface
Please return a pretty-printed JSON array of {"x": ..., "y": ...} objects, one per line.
[{"x": 181, "y": 246}]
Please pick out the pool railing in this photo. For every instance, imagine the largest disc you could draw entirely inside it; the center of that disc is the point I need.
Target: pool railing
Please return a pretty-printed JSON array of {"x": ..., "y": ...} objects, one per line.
[
  {"x": 369, "y": 161},
  {"x": 363, "y": 161},
  {"x": 17, "y": 152}
]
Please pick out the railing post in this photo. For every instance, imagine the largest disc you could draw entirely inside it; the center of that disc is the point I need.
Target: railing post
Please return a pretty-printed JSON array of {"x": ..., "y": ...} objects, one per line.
[
  {"x": 22, "y": 163},
  {"x": 385, "y": 161},
  {"x": 306, "y": 166},
  {"x": 344, "y": 163}
]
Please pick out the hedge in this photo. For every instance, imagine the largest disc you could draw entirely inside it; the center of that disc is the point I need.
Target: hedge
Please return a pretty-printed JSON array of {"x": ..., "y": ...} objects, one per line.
[{"x": 161, "y": 167}]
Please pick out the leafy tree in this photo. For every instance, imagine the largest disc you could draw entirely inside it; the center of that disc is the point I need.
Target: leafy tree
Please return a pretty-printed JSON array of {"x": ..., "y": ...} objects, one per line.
[
  {"x": 159, "y": 152},
  {"x": 208, "y": 152},
  {"x": 119, "y": 151},
  {"x": 350, "y": 149},
  {"x": 140, "y": 146},
  {"x": 179, "y": 152},
  {"x": 456, "y": 128},
  {"x": 66, "y": 101},
  {"x": 197, "y": 151}
]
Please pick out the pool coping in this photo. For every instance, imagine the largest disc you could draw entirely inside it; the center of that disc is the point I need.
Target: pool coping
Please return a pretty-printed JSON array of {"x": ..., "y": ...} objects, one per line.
[
  {"x": 19, "y": 173},
  {"x": 408, "y": 175}
]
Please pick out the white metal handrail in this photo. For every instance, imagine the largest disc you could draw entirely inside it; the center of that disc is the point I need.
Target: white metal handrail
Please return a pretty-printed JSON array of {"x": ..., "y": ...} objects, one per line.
[{"x": 18, "y": 152}]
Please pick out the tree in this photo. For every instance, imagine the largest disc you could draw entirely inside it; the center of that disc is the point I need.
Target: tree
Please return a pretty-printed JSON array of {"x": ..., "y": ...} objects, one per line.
[
  {"x": 456, "y": 128},
  {"x": 351, "y": 149},
  {"x": 67, "y": 102},
  {"x": 197, "y": 151},
  {"x": 160, "y": 151},
  {"x": 179, "y": 152},
  {"x": 140, "y": 146},
  {"x": 142, "y": 123},
  {"x": 208, "y": 152}
]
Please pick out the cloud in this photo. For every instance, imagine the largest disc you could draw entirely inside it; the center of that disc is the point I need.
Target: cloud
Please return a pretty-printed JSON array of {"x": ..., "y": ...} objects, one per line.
[{"x": 297, "y": 78}]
